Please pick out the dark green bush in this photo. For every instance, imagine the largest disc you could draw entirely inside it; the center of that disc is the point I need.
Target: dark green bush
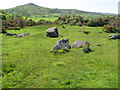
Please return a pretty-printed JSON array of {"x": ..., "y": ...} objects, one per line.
[
  {"x": 96, "y": 22},
  {"x": 30, "y": 22},
  {"x": 16, "y": 28},
  {"x": 77, "y": 20},
  {"x": 42, "y": 21},
  {"x": 3, "y": 30}
]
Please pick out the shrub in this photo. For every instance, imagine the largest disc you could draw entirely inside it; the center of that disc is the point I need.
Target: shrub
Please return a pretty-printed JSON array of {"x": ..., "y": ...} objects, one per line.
[
  {"x": 13, "y": 24},
  {"x": 77, "y": 20},
  {"x": 108, "y": 28},
  {"x": 114, "y": 22},
  {"x": 86, "y": 21},
  {"x": 10, "y": 28},
  {"x": 79, "y": 24},
  {"x": 3, "y": 31},
  {"x": 96, "y": 22},
  {"x": 92, "y": 23},
  {"x": 86, "y": 48},
  {"x": 73, "y": 22},
  {"x": 16, "y": 28},
  {"x": 42, "y": 21},
  {"x": 30, "y": 22},
  {"x": 61, "y": 22}
]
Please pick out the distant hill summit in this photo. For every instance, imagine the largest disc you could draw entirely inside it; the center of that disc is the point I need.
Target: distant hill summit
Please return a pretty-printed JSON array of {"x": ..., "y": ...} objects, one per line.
[
  {"x": 33, "y": 10},
  {"x": 31, "y": 4}
]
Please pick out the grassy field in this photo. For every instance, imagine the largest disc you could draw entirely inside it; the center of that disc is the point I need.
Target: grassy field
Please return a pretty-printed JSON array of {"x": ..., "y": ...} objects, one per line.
[
  {"x": 49, "y": 19},
  {"x": 28, "y": 63}
]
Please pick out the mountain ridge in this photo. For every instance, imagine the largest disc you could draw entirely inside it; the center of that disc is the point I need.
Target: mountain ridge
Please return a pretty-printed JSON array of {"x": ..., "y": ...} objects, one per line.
[{"x": 31, "y": 9}]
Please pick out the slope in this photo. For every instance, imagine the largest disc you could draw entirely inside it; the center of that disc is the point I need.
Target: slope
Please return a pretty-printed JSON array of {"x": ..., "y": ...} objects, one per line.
[{"x": 30, "y": 10}]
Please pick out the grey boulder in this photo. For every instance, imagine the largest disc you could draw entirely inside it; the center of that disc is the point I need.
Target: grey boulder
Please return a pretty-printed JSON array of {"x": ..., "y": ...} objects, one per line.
[
  {"x": 61, "y": 44},
  {"x": 23, "y": 34},
  {"x": 18, "y": 36},
  {"x": 114, "y": 36},
  {"x": 79, "y": 44},
  {"x": 52, "y": 32},
  {"x": 10, "y": 34}
]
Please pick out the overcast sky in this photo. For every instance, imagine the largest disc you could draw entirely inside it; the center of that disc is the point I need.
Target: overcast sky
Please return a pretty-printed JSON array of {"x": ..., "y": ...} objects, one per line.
[{"x": 106, "y": 6}]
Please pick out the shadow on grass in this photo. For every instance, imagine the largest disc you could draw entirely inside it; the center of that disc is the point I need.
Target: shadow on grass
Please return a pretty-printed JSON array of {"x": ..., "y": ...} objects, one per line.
[
  {"x": 88, "y": 50},
  {"x": 61, "y": 51}
]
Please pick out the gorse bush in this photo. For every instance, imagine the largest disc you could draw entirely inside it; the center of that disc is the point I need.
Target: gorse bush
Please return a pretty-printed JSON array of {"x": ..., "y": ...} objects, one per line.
[
  {"x": 108, "y": 28},
  {"x": 112, "y": 25}
]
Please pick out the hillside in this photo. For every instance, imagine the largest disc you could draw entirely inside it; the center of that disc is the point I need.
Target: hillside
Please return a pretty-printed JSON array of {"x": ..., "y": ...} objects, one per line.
[{"x": 30, "y": 10}]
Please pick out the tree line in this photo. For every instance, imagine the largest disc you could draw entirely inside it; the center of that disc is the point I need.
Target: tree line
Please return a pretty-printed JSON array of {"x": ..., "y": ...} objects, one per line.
[{"x": 109, "y": 24}]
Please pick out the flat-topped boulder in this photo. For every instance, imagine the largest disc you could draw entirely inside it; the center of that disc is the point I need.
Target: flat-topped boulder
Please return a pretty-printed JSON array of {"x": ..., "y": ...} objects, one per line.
[
  {"x": 79, "y": 44},
  {"x": 52, "y": 32}
]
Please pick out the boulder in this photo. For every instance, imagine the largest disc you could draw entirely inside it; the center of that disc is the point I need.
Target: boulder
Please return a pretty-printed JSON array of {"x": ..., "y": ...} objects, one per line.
[
  {"x": 99, "y": 45},
  {"x": 10, "y": 34},
  {"x": 18, "y": 36},
  {"x": 114, "y": 36},
  {"x": 52, "y": 32},
  {"x": 79, "y": 44},
  {"x": 23, "y": 34},
  {"x": 61, "y": 44}
]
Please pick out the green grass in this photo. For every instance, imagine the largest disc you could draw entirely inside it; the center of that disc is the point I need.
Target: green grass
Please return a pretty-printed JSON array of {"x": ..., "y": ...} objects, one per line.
[
  {"x": 28, "y": 63},
  {"x": 49, "y": 19}
]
